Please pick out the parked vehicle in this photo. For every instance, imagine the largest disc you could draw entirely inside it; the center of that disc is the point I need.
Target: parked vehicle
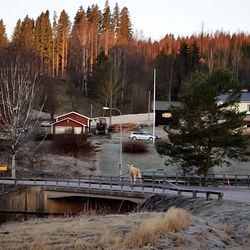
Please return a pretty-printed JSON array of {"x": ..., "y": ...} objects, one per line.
[
  {"x": 45, "y": 124},
  {"x": 101, "y": 126},
  {"x": 143, "y": 135}
]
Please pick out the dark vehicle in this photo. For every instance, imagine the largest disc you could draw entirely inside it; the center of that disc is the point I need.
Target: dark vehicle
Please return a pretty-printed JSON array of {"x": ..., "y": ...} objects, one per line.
[{"x": 101, "y": 126}]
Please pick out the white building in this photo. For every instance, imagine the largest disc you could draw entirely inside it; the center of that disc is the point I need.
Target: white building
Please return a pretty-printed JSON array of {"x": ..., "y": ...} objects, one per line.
[{"x": 243, "y": 106}]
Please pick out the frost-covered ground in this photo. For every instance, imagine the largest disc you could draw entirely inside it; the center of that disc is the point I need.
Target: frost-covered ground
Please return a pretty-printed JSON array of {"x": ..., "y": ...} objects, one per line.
[{"x": 212, "y": 225}]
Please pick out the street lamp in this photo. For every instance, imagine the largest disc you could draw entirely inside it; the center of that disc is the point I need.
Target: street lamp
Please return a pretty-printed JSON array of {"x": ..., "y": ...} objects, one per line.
[{"x": 120, "y": 162}]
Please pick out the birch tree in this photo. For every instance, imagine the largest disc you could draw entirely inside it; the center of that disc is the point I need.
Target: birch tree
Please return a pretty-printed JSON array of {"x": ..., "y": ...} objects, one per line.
[{"x": 19, "y": 95}]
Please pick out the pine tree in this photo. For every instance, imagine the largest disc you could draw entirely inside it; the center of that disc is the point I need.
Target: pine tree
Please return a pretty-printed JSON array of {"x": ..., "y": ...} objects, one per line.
[
  {"x": 23, "y": 36},
  {"x": 62, "y": 40},
  {"x": 195, "y": 57},
  {"x": 115, "y": 23},
  {"x": 125, "y": 30},
  {"x": 43, "y": 39},
  {"x": 100, "y": 79},
  {"x": 16, "y": 34},
  {"x": 205, "y": 133},
  {"x": 55, "y": 54},
  {"x": 94, "y": 18},
  {"x": 3, "y": 36},
  {"x": 26, "y": 35},
  {"x": 106, "y": 27}
]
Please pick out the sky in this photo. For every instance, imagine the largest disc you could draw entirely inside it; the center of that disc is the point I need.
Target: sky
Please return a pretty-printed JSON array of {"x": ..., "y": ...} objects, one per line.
[{"x": 150, "y": 18}]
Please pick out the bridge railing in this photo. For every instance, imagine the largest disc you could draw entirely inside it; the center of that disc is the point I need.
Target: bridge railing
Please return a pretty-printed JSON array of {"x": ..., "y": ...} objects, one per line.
[
  {"x": 114, "y": 183},
  {"x": 208, "y": 181}
]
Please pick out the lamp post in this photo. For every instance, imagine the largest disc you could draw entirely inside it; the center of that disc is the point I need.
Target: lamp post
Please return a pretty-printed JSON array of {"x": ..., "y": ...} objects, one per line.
[{"x": 120, "y": 161}]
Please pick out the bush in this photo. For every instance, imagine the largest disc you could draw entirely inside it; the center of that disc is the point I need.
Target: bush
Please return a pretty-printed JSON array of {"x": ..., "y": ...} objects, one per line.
[
  {"x": 71, "y": 144},
  {"x": 134, "y": 147}
]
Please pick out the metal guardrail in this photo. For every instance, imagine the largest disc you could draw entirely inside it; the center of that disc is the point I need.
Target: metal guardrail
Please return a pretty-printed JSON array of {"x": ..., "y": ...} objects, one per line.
[
  {"x": 114, "y": 183},
  {"x": 208, "y": 181}
]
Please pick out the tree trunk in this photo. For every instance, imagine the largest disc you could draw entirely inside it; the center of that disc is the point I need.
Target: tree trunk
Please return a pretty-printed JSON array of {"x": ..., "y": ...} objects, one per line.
[{"x": 13, "y": 164}]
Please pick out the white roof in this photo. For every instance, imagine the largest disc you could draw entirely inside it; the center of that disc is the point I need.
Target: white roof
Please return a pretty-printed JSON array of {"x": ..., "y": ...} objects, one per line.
[
  {"x": 67, "y": 118},
  {"x": 73, "y": 112}
]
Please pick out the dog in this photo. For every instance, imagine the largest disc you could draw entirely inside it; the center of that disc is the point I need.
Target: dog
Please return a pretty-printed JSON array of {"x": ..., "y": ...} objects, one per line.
[{"x": 134, "y": 173}]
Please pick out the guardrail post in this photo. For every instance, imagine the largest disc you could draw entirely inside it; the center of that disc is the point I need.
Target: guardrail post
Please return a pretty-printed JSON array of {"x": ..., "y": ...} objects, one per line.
[
  {"x": 236, "y": 180},
  {"x": 56, "y": 181},
  {"x": 68, "y": 182},
  {"x": 3, "y": 183},
  {"x": 248, "y": 181},
  {"x": 79, "y": 180},
  {"x": 153, "y": 184},
  {"x": 176, "y": 179},
  {"x": 45, "y": 181},
  {"x": 110, "y": 182},
  {"x": 207, "y": 196},
  {"x": 164, "y": 182},
  {"x": 194, "y": 194},
  {"x": 100, "y": 179},
  {"x": 188, "y": 181},
  {"x": 179, "y": 193},
  {"x": 220, "y": 196},
  {"x": 89, "y": 181}
]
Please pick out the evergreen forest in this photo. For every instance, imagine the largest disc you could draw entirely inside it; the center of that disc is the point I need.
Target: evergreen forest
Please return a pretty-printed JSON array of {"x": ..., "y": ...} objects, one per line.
[{"x": 100, "y": 58}]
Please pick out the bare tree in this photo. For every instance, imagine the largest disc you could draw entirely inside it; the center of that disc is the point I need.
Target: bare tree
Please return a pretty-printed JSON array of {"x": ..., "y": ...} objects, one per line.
[{"x": 19, "y": 95}]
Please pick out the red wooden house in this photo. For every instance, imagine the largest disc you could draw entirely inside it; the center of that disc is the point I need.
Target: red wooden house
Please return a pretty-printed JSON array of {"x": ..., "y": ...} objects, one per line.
[{"x": 70, "y": 123}]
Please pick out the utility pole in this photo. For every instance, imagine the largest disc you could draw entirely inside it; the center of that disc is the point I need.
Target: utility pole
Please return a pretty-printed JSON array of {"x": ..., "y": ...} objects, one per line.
[{"x": 154, "y": 107}]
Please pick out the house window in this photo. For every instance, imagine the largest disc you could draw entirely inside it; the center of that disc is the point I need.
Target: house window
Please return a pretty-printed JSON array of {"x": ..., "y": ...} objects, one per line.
[{"x": 166, "y": 115}]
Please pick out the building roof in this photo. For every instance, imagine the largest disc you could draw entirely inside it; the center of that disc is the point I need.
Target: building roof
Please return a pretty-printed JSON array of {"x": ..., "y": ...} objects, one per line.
[
  {"x": 73, "y": 112},
  {"x": 245, "y": 97},
  {"x": 67, "y": 118},
  {"x": 165, "y": 105}
]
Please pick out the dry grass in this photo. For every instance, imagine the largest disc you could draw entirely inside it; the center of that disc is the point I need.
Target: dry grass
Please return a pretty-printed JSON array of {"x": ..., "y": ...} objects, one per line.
[
  {"x": 92, "y": 231},
  {"x": 110, "y": 240},
  {"x": 151, "y": 229},
  {"x": 39, "y": 245},
  {"x": 248, "y": 231},
  {"x": 227, "y": 229}
]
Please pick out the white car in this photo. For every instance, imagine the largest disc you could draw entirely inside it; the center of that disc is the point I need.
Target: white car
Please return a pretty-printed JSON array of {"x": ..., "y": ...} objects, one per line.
[
  {"x": 143, "y": 135},
  {"x": 45, "y": 124}
]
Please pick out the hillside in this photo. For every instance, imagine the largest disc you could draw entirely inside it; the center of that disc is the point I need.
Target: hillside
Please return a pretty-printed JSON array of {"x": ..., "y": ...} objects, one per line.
[{"x": 205, "y": 225}]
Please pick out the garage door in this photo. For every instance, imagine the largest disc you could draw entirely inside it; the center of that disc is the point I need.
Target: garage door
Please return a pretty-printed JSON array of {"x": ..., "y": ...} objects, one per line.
[
  {"x": 77, "y": 130},
  {"x": 62, "y": 130}
]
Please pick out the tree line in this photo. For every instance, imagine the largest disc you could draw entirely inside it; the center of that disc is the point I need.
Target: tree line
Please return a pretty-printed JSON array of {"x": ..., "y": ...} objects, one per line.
[{"x": 101, "y": 55}]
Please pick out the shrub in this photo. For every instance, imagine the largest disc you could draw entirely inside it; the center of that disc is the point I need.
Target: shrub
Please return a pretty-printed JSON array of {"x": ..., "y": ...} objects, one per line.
[
  {"x": 71, "y": 144},
  {"x": 134, "y": 147},
  {"x": 152, "y": 229}
]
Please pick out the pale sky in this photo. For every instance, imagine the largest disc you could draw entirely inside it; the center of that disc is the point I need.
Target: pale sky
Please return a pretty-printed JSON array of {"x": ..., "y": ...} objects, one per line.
[{"x": 155, "y": 18}]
